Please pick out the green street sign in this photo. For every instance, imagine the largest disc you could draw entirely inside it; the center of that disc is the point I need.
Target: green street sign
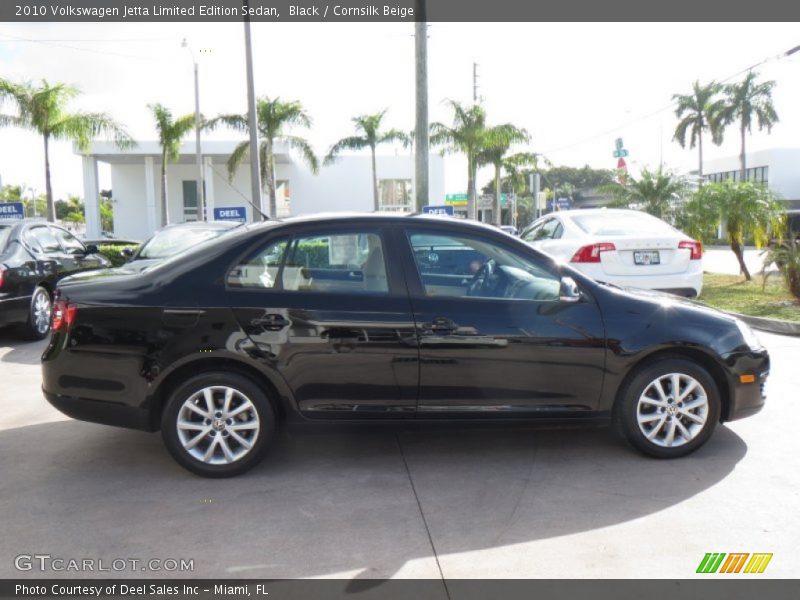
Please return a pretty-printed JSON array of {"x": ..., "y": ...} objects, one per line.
[
  {"x": 620, "y": 153},
  {"x": 618, "y": 144}
]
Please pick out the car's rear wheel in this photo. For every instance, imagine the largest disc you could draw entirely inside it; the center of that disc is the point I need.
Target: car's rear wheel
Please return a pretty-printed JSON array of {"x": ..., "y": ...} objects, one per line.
[
  {"x": 669, "y": 408},
  {"x": 37, "y": 326},
  {"x": 218, "y": 424}
]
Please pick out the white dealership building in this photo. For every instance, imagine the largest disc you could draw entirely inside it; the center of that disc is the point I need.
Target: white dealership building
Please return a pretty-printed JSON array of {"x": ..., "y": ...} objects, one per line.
[{"x": 345, "y": 185}]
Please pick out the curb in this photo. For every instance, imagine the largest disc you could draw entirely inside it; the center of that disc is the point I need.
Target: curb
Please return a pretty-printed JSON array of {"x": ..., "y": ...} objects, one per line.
[{"x": 778, "y": 326}]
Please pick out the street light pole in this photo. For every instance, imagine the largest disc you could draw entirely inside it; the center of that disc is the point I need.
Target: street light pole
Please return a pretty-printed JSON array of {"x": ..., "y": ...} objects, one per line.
[
  {"x": 201, "y": 216},
  {"x": 421, "y": 155},
  {"x": 255, "y": 168}
]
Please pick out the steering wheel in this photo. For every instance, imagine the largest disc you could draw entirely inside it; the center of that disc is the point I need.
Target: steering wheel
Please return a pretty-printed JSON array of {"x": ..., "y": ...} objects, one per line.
[{"x": 482, "y": 279}]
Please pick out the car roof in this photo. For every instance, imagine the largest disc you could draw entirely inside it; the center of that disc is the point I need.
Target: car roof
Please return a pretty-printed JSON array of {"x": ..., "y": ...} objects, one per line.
[
  {"x": 386, "y": 217},
  {"x": 203, "y": 225}
]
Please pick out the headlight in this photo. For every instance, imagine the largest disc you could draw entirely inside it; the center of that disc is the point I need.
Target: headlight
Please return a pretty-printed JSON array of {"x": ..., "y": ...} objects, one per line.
[{"x": 750, "y": 337}]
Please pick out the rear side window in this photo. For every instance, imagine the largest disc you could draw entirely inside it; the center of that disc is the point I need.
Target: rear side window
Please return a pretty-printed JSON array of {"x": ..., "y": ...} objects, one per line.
[
  {"x": 260, "y": 270},
  {"x": 5, "y": 231},
  {"x": 336, "y": 262},
  {"x": 340, "y": 262}
]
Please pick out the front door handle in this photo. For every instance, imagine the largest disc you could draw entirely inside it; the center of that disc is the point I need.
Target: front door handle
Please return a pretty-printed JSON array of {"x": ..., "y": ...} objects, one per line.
[{"x": 271, "y": 322}]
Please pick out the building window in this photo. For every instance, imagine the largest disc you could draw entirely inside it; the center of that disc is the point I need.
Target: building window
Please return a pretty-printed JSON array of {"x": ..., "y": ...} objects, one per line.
[
  {"x": 753, "y": 174},
  {"x": 283, "y": 199},
  {"x": 394, "y": 195},
  {"x": 190, "y": 200}
]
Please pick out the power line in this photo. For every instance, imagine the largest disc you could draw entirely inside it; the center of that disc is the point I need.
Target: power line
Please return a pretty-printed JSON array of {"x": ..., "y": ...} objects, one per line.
[
  {"x": 58, "y": 45},
  {"x": 669, "y": 106}
]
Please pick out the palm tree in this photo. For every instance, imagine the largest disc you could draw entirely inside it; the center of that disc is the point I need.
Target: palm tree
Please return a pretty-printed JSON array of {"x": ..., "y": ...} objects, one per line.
[
  {"x": 653, "y": 191},
  {"x": 748, "y": 101},
  {"x": 748, "y": 209},
  {"x": 274, "y": 117},
  {"x": 698, "y": 112},
  {"x": 369, "y": 136},
  {"x": 498, "y": 142},
  {"x": 43, "y": 109},
  {"x": 170, "y": 133},
  {"x": 466, "y": 135}
]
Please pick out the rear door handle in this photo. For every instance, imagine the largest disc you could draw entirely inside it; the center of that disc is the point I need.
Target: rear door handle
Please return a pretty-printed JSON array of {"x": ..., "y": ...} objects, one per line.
[
  {"x": 271, "y": 322},
  {"x": 440, "y": 325}
]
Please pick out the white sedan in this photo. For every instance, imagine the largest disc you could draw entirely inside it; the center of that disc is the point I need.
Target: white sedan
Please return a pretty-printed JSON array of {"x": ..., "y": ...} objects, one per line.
[{"x": 628, "y": 248}]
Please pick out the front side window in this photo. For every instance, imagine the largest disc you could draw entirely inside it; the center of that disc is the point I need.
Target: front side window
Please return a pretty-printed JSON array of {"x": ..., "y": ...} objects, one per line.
[
  {"x": 43, "y": 240},
  {"x": 69, "y": 242},
  {"x": 460, "y": 266}
]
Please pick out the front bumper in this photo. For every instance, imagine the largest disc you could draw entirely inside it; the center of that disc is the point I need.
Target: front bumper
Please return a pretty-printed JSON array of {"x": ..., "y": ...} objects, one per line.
[
  {"x": 748, "y": 398},
  {"x": 96, "y": 411}
]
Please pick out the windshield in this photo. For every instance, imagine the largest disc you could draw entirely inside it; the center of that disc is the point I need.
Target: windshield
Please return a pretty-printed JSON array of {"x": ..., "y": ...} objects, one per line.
[
  {"x": 169, "y": 242},
  {"x": 5, "y": 231},
  {"x": 619, "y": 223}
]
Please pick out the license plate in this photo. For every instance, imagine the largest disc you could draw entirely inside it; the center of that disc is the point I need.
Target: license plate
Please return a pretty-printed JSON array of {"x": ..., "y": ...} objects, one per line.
[{"x": 646, "y": 257}]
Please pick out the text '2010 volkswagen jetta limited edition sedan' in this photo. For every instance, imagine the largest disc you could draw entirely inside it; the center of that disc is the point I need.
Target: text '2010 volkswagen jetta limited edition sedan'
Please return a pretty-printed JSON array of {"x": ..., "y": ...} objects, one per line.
[{"x": 387, "y": 318}]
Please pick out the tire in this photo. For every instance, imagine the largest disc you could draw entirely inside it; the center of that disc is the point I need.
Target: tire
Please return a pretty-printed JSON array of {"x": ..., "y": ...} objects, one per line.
[
  {"x": 691, "y": 419},
  {"x": 37, "y": 325},
  {"x": 249, "y": 420}
]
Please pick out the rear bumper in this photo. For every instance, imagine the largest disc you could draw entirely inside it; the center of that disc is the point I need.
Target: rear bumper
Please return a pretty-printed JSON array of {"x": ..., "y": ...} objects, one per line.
[
  {"x": 96, "y": 411},
  {"x": 689, "y": 283}
]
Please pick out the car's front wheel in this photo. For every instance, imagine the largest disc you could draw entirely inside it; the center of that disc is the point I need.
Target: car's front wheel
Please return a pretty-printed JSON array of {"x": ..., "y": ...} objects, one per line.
[
  {"x": 669, "y": 408},
  {"x": 217, "y": 424}
]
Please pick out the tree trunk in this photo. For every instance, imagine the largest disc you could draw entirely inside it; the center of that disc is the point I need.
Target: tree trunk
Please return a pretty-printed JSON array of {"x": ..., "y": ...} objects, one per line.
[
  {"x": 375, "y": 200},
  {"x": 269, "y": 180},
  {"x": 472, "y": 200},
  {"x": 498, "y": 206},
  {"x": 164, "y": 203},
  {"x": 742, "y": 157},
  {"x": 700, "y": 153},
  {"x": 739, "y": 252},
  {"x": 51, "y": 206}
]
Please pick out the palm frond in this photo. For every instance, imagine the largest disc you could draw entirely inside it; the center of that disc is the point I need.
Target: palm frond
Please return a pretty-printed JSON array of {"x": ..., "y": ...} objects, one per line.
[
  {"x": 305, "y": 149},
  {"x": 237, "y": 156},
  {"x": 349, "y": 143}
]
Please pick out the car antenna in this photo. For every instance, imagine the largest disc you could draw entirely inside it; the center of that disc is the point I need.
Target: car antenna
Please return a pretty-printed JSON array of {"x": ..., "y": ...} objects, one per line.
[{"x": 246, "y": 199}]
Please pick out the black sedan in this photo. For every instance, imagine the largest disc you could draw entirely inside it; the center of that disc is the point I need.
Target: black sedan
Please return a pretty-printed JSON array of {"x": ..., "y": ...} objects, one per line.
[
  {"x": 34, "y": 256},
  {"x": 387, "y": 319}
]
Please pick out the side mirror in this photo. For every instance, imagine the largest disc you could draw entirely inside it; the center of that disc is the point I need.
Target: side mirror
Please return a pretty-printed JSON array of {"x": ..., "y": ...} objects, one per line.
[
  {"x": 569, "y": 290},
  {"x": 91, "y": 249}
]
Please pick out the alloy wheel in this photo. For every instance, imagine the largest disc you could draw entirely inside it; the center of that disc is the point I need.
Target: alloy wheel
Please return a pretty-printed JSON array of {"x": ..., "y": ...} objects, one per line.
[
  {"x": 218, "y": 425},
  {"x": 672, "y": 410},
  {"x": 41, "y": 312}
]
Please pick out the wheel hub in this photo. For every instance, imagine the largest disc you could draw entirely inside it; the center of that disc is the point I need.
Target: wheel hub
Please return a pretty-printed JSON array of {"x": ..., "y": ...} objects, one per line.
[{"x": 218, "y": 425}]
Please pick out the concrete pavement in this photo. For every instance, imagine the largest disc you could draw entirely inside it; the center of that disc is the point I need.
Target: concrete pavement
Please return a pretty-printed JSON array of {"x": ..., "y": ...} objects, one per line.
[{"x": 412, "y": 503}]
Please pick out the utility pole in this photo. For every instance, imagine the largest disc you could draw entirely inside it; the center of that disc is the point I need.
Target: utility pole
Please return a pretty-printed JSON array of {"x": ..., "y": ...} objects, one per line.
[
  {"x": 201, "y": 216},
  {"x": 475, "y": 82},
  {"x": 255, "y": 167},
  {"x": 421, "y": 169}
]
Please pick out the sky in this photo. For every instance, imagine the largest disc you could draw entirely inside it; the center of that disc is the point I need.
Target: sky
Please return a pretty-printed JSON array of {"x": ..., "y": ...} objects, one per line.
[{"x": 574, "y": 86}]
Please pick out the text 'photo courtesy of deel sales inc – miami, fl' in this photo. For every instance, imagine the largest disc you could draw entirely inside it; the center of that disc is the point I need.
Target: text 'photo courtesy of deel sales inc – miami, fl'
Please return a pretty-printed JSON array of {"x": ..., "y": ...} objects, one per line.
[{"x": 54, "y": 11}]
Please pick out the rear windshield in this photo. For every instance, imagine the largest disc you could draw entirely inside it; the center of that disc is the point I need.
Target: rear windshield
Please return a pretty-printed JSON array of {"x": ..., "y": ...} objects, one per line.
[
  {"x": 170, "y": 242},
  {"x": 5, "y": 231},
  {"x": 622, "y": 224}
]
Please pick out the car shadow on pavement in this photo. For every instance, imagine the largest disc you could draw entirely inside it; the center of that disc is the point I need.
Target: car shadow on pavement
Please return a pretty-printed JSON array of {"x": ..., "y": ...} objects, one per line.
[
  {"x": 21, "y": 351},
  {"x": 337, "y": 503}
]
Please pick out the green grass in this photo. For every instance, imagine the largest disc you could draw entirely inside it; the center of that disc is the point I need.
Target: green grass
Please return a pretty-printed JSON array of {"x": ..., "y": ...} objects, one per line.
[{"x": 734, "y": 294}]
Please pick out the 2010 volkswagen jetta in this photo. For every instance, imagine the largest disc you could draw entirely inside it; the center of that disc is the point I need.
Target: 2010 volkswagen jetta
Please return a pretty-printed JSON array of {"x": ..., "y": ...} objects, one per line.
[{"x": 387, "y": 318}]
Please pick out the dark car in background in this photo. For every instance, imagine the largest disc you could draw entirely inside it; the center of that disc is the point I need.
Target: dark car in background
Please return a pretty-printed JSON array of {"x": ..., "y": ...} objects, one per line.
[
  {"x": 34, "y": 256},
  {"x": 174, "y": 239},
  {"x": 374, "y": 318}
]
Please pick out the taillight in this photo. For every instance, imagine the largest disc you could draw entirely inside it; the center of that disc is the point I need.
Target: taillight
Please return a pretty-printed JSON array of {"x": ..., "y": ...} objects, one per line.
[
  {"x": 64, "y": 315},
  {"x": 2, "y": 276},
  {"x": 694, "y": 246},
  {"x": 591, "y": 253}
]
